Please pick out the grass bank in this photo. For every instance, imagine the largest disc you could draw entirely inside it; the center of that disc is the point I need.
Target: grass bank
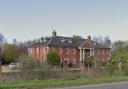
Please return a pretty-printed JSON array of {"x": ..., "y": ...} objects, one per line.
[{"x": 40, "y": 84}]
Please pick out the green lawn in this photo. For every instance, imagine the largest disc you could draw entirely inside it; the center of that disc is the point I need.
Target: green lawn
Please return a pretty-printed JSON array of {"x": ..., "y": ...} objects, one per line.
[{"x": 40, "y": 84}]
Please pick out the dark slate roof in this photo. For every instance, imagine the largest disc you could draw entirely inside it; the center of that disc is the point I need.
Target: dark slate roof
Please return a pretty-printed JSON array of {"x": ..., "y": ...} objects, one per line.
[
  {"x": 38, "y": 43},
  {"x": 59, "y": 41},
  {"x": 102, "y": 46}
]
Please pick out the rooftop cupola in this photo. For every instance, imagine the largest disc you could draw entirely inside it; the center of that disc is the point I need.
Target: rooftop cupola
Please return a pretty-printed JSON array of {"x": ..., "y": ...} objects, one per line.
[{"x": 54, "y": 34}]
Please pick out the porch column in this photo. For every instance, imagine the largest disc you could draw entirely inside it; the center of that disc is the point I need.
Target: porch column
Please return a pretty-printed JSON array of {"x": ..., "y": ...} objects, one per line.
[
  {"x": 83, "y": 54},
  {"x": 93, "y": 52},
  {"x": 80, "y": 54},
  {"x": 82, "y": 66},
  {"x": 90, "y": 52}
]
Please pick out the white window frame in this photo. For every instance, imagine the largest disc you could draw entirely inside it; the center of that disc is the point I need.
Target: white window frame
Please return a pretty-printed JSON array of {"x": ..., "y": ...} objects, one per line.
[
  {"x": 67, "y": 50},
  {"x": 74, "y": 51}
]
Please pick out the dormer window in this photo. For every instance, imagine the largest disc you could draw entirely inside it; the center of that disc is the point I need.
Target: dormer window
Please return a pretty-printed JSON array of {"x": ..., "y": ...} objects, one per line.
[
  {"x": 63, "y": 40},
  {"x": 69, "y": 41}
]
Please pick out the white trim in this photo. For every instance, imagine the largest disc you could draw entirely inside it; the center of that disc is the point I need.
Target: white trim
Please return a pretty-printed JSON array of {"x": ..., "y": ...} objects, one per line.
[
  {"x": 67, "y": 50},
  {"x": 74, "y": 51},
  {"x": 83, "y": 54},
  {"x": 74, "y": 61},
  {"x": 80, "y": 54},
  {"x": 93, "y": 52},
  {"x": 85, "y": 43},
  {"x": 47, "y": 49}
]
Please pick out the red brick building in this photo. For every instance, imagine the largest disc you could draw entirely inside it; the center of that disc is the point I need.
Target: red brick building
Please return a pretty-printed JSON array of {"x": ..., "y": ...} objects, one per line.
[{"x": 70, "y": 49}]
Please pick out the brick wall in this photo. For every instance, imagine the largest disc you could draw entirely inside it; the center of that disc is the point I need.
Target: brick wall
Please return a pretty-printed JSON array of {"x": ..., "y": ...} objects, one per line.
[
  {"x": 102, "y": 54},
  {"x": 40, "y": 52}
]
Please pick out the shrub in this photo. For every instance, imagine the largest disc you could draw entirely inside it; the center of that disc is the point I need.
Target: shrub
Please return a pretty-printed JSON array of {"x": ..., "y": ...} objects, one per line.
[
  {"x": 27, "y": 63},
  {"x": 125, "y": 69},
  {"x": 110, "y": 68},
  {"x": 89, "y": 61},
  {"x": 10, "y": 53},
  {"x": 53, "y": 58}
]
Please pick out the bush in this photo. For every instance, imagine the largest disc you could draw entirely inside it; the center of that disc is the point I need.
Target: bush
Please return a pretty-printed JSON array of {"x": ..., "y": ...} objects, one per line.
[
  {"x": 89, "y": 61},
  {"x": 27, "y": 63},
  {"x": 53, "y": 58},
  {"x": 32, "y": 69},
  {"x": 125, "y": 69},
  {"x": 110, "y": 68},
  {"x": 10, "y": 53}
]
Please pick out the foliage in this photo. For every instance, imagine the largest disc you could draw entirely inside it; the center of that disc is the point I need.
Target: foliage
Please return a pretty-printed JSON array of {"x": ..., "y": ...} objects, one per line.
[
  {"x": 23, "y": 47},
  {"x": 53, "y": 58},
  {"x": 27, "y": 63},
  {"x": 11, "y": 53},
  {"x": 110, "y": 68},
  {"x": 89, "y": 61},
  {"x": 119, "y": 56},
  {"x": 102, "y": 40},
  {"x": 119, "y": 53},
  {"x": 125, "y": 69},
  {"x": 77, "y": 37}
]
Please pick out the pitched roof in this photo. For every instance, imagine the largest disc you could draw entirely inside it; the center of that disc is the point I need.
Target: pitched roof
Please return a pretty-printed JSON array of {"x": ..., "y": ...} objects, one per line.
[
  {"x": 65, "y": 42},
  {"x": 59, "y": 41}
]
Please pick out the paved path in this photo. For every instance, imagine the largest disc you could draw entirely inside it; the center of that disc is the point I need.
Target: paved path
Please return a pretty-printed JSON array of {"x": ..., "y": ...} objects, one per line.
[{"x": 122, "y": 85}]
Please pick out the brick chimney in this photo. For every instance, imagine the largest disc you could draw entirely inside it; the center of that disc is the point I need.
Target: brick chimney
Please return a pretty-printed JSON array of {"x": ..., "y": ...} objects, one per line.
[{"x": 54, "y": 34}]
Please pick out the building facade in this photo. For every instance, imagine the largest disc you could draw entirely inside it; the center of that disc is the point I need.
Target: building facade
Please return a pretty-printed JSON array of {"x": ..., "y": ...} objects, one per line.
[{"x": 69, "y": 49}]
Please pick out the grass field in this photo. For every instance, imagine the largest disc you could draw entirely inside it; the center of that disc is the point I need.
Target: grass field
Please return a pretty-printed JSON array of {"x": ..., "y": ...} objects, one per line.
[{"x": 41, "y": 84}]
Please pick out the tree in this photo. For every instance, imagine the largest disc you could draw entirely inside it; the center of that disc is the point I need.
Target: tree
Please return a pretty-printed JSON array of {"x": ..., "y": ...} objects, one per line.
[
  {"x": 98, "y": 39},
  {"x": 23, "y": 47},
  {"x": 11, "y": 53},
  {"x": 77, "y": 37},
  {"x": 53, "y": 58},
  {"x": 27, "y": 63},
  {"x": 102, "y": 40},
  {"x": 107, "y": 40},
  {"x": 89, "y": 61},
  {"x": 119, "y": 56}
]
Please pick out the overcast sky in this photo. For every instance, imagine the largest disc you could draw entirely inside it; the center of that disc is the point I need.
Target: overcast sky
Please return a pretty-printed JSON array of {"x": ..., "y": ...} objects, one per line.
[{"x": 29, "y": 19}]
